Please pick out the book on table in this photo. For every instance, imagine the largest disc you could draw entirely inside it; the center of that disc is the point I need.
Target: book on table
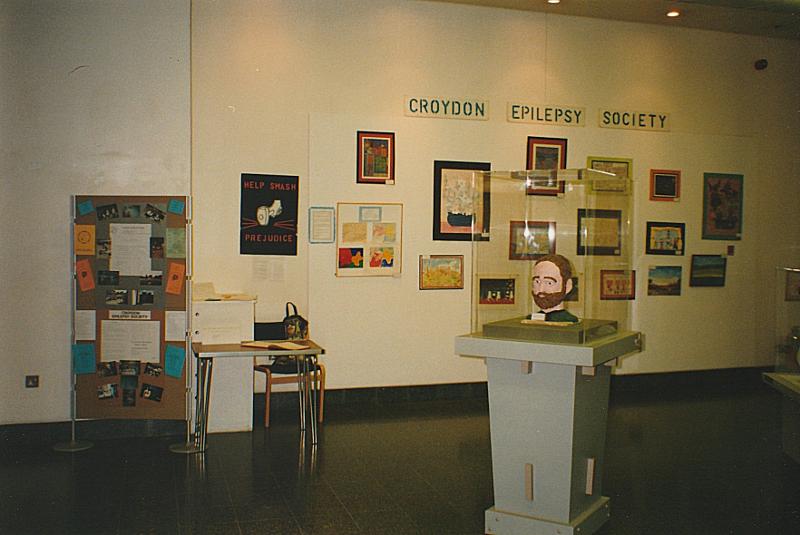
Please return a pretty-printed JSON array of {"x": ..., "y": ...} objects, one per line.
[{"x": 272, "y": 344}]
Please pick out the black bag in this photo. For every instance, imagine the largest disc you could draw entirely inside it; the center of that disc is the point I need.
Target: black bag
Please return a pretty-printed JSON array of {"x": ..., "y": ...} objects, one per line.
[{"x": 295, "y": 326}]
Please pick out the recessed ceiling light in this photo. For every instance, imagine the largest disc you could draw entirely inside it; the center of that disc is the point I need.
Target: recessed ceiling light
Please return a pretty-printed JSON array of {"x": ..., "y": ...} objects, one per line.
[
  {"x": 673, "y": 13},
  {"x": 553, "y": 1}
]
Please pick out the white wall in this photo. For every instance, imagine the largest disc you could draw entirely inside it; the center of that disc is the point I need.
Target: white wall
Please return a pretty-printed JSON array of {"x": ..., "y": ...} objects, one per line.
[
  {"x": 94, "y": 98},
  {"x": 282, "y": 87}
]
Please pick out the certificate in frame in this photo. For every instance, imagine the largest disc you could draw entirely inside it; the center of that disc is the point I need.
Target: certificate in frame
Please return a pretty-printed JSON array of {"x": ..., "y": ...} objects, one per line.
[
  {"x": 617, "y": 284},
  {"x": 620, "y": 167},
  {"x": 529, "y": 240},
  {"x": 599, "y": 232}
]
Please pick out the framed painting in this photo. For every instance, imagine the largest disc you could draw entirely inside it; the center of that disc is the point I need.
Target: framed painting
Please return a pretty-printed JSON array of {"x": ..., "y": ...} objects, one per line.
[
  {"x": 622, "y": 168},
  {"x": 529, "y": 240},
  {"x": 461, "y": 201},
  {"x": 665, "y": 185},
  {"x": 497, "y": 291},
  {"x": 617, "y": 284},
  {"x": 722, "y": 206},
  {"x": 549, "y": 154},
  {"x": 664, "y": 280},
  {"x": 599, "y": 232},
  {"x": 441, "y": 272},
  {"x": 665, "y": 238},
  {"x": 792, "y": 292},
  {"x": 707, "y": 270},
  {"x": 369, "y": 238},
  {"x": 375, "y": 157}
]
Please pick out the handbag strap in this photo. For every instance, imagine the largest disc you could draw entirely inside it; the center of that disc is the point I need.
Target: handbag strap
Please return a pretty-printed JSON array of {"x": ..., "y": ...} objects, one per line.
[{"x": 293, "y": 307}]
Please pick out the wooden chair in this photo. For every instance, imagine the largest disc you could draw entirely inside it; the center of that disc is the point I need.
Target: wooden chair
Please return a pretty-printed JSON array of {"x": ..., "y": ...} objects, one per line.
[{"x": 279, "y": 373}]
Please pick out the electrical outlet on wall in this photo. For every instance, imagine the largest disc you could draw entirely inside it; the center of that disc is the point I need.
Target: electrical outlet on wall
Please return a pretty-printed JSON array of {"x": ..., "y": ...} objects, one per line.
[{"x": 31, "y": 381}]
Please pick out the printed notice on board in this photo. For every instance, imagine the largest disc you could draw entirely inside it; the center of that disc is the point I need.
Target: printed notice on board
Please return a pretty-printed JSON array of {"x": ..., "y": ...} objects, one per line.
[
  {"x": 130, "y": 340},
  {"x": 85, "y": 324},
  {"x": 175, "y": 325},
  {"x": 130, "y": 244}
]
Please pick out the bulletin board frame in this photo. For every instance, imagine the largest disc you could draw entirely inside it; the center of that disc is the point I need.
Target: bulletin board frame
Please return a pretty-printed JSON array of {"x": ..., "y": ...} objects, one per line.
[{"x": 131, "y": 272}]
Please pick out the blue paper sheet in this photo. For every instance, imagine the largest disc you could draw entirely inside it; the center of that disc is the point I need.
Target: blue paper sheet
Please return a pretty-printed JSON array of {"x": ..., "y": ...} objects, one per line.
[
  {"x": 83, "y": 358},
  {"x": 85, "y": 207},
  {"x": 174, "y": 357},
  {"x": 176, "y": 206}
]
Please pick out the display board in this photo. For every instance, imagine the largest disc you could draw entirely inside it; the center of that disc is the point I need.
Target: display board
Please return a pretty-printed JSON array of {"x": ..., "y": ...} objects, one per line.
[{"x": 130, "y": 320}]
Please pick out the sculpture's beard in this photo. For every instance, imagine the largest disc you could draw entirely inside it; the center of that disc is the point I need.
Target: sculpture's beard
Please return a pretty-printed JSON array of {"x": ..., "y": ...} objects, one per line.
[{"x": 546, "y": 301}]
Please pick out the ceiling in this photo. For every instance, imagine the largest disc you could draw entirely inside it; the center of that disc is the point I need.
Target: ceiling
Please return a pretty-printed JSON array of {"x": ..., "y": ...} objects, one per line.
[{"x": 770, "y": 18}]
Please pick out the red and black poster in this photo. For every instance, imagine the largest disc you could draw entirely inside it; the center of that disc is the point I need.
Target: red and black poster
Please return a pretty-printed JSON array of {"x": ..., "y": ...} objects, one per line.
[{"x": 269, "y": 215}]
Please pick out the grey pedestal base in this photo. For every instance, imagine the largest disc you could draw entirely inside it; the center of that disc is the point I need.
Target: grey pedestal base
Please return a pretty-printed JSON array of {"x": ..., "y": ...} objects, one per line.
[
  {"x": 548, "y": 407},
  {"x": 503, "y": 523}
]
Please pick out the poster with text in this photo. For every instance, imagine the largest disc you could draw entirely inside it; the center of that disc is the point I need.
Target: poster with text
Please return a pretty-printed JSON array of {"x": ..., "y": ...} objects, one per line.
[{"x": 269, "y": 215}]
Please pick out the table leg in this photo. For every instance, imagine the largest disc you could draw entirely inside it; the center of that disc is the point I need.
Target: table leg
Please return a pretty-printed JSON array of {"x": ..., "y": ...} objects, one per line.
[
  {"x": 189, "y": 446},
  {"x": 301, "y": 389},
  {"x": 312, "y": 376},
  {"x": 205, "y": 370}
]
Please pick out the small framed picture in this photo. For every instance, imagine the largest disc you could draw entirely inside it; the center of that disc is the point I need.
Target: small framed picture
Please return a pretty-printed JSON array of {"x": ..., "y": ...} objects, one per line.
[
  {"x": 793, "y": 285},
  {"x": 664, "y": 280},
  {"x": 546, "y": 154},
  {"x": 617, "y": 284},
  {"x": 707, "y": 270},
  {"x": 321, "y": 224},
  {"x": 497, "y": 291},
  {"x": 529, "y": 240},
  {"x": 622, "y": 168},
  {"x": 723, "y": 196},
  {"x": 599, "y": 232},
  {"x": 369, "y": 213},
  {"x": 375, "y": 157},
  {"x": 441, "y": 272},
  {"x": 665, "y": 185},
  {"x": 665, "y": 238}
]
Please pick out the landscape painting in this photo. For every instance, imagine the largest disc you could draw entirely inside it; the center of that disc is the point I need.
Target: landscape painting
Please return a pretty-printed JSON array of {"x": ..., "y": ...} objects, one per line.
[{"x": 664, "y": 280}]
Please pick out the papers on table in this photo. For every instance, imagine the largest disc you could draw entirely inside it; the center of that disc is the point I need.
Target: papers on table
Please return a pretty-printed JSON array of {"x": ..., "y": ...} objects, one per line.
[{"x": 267, "y": 344}]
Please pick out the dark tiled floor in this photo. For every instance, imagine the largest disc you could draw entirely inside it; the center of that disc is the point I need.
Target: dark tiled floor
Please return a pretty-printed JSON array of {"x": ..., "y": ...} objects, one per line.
[{"x": 678, "y": 462}]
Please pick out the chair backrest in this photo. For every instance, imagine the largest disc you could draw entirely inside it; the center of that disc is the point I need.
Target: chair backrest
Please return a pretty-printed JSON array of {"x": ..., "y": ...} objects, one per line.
[{"x": 271, "y": 330}]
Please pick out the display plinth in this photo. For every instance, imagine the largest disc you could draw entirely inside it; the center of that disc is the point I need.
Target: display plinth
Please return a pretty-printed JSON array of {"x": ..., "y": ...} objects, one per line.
[
  {"x": 788, "y": 384},
  {"x": 548, "y": 407},
  {"x": 584, "y": 331}
]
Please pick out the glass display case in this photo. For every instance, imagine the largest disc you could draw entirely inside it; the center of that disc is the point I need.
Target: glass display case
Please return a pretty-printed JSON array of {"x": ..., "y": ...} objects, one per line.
[
  {"x": 584, "y": 215},
  {"x": 786, "y": 377},
  {"x": 787, "y": 319}
]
